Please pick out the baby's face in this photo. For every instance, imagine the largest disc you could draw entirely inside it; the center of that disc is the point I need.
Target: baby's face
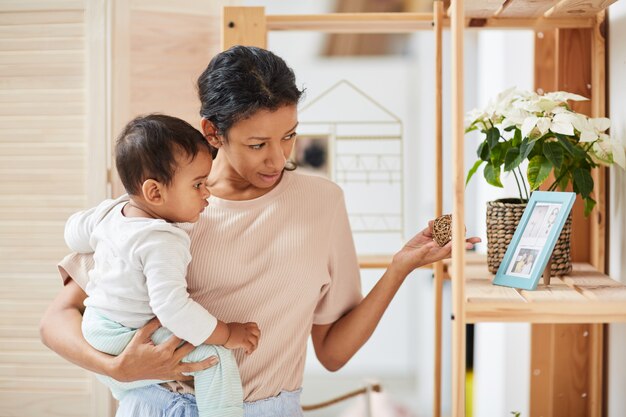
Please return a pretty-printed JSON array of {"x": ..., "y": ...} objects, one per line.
[{"x": 187, "y": 194}]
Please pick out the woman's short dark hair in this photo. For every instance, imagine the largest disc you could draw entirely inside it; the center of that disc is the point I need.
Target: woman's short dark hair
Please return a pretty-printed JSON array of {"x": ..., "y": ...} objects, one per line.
[
  {"x": 148, "y": 146},
  {"x": 242, "y": 80}
]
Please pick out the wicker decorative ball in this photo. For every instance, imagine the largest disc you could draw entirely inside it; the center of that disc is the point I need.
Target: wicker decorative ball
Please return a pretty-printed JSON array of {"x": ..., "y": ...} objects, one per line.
[{"x": 442, "y": 229}]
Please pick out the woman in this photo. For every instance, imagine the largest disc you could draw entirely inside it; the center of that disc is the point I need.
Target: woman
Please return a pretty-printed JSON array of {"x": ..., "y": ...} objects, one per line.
[{"x": 273, "y": 247}]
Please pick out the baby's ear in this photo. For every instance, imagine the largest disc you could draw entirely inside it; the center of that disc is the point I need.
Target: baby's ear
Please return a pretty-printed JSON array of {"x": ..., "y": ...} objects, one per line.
[{"x": 152, "y": 192}]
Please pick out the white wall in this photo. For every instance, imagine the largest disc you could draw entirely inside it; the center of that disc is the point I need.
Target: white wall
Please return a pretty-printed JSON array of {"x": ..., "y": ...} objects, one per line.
[{"x": 617, "y": 221}]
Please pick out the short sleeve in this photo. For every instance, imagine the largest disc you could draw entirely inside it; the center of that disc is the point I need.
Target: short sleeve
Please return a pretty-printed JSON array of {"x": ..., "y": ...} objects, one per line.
[
  {"x": 344, "y": 290},
  {"x": 76, "y": 266}
]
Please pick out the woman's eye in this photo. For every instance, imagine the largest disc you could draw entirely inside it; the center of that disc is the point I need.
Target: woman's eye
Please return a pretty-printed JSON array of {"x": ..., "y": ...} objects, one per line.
[
  {"x": 257, "y": 146},
  {"x": 291, "y": 136},
  {"x": 197, "y": 186}
]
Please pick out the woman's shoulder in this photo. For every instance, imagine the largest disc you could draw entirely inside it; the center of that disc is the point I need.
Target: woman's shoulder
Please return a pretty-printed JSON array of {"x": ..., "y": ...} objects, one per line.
[
  {"x": 315, "y": 184},
  {"x": 316, "y": 181}
]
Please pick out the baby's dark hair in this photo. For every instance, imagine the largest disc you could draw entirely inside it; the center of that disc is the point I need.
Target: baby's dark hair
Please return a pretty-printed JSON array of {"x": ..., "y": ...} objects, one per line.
[{"x": 148, "y": 146}]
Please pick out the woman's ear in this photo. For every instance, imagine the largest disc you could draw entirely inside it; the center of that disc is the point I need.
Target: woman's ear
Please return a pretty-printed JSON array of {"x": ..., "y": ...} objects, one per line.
[
  {"x": 152, "y": 192},
  {"x": 210, "y": 133}
]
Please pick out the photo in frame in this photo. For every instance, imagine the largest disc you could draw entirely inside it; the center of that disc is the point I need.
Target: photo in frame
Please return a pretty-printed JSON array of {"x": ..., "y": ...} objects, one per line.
[{"x": 534, "y": 239}]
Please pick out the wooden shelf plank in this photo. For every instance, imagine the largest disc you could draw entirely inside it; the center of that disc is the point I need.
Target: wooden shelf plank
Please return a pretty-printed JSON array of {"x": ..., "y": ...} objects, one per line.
[
  {"x": 578, "y": 8},
  {"x": 374, "y": 261},
  {"x": 584, "y": 296},
  {"x": 527, "y": 9}
]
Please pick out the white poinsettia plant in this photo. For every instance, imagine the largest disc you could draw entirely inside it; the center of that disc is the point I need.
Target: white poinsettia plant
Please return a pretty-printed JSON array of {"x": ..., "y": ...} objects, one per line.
[{"x": 522, "y": 125}]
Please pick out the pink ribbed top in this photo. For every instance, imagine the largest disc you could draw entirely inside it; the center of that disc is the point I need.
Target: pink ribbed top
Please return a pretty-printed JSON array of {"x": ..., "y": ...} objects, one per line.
[{"x": 285, "y": 260}]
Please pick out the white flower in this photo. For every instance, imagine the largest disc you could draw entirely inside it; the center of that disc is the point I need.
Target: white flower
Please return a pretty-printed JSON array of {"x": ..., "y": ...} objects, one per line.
[
  {"x": 544, "y": 124},
  {"x": 528, "y": 125},
  {"x": 587, "y": 131},
  {"x": 619, "y": 153},
  {"x": 503, "y": 100},
  {"x": 562, "y": 96},
  {"x": 600, "y": 123},
  {"x": 547, "y": 105},
  {"x": 559, "y": 109},
  {"x": 473, "y": 116},
  {"x": 514, "y": 116},
  {"x": 610, "y": 151},
  {"x": 530, "y": 105},
  {"x": 563, "y": 123}
]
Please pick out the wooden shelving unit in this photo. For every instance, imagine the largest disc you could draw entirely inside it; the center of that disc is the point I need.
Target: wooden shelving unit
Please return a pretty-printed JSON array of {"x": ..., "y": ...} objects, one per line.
[{"x": 585, "y": 296}]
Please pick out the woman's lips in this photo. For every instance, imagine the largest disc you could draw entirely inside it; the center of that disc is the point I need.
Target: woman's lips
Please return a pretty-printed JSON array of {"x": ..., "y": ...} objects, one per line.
[{"x": 270, "y": 177}]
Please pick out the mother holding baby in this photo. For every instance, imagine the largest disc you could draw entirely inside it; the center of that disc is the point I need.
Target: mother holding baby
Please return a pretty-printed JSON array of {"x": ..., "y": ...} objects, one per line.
[{"x": 273, "y": 247}]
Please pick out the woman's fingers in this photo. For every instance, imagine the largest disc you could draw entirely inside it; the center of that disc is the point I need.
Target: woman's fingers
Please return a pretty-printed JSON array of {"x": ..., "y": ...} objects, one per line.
[
  {"x": 189, "y": 367},
  {"x": 179, "y": 351},
  {"x": 144, "y": 333}
]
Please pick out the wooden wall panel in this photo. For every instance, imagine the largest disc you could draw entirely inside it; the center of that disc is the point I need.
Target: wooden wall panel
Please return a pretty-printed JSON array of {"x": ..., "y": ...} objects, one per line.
[
  {"x": 42, "y": 171},
  {"x": 168, "y": 53}
]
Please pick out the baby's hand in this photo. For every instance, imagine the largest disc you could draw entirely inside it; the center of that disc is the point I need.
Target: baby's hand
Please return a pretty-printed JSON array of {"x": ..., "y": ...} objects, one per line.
[{"x": 243, "y": 336}]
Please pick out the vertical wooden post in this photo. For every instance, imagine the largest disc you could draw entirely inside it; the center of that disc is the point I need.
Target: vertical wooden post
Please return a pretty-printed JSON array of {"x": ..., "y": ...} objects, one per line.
[
  {"x": 598, "y": 229},
  {"x": 598, "y": 109},
  {"x": 566, "y": 359},
  {"x": 244, "y": 26},
  {"x": 439, "y": 271},
  {"x": 458, "y": 214},
  {"x": 542, "y": 335}
]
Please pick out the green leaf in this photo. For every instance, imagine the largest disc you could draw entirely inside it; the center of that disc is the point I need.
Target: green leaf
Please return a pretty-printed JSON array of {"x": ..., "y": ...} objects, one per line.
[
  {"x": 583, "y": 183},
  {"x": 497, "y": 154},
  {"x": 590, "y": 203},
  {"x": 492, "y": 175},
  {"x": 575, "y": 151},
  {"x": 538, "y": 170},
  {"x": 525, "y": 148},
  {"x": 517, "y": 138},
  {"x": 472, "y": 171},
  {"x": 512, "y": 159},
  {"x": 563, "y": 182},
  {"x": 508, "y": 129},
  {"x": 483, "y": 151},
  {"x": 554, "y": 152},
  {"x": 493, "y": 137},
  {"x": 471, "y": 128}
]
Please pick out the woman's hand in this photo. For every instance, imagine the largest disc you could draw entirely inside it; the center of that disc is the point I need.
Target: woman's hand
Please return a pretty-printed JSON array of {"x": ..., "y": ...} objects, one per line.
[
  {"x": 423, "y": 250},
  {"x": 142, "y": 359}
]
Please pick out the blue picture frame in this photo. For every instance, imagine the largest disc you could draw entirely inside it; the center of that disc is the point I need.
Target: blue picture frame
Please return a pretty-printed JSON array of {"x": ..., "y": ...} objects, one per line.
[{"x": 534, "y": 239}]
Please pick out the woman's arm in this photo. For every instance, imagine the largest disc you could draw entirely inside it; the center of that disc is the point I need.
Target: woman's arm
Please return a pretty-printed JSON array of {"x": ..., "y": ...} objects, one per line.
[
  {"x": 60, "y": 330},
  {"x": 337, "y": 342}
]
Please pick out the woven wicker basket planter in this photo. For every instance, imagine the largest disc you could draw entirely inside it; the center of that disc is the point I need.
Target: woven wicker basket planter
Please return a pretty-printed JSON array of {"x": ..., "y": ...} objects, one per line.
[{"x": 502, "y": 219}]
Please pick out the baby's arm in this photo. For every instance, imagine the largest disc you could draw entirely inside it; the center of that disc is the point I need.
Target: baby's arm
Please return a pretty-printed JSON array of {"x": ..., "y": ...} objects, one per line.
[
  {"x": 80, "y": 226},
  {"x": 164, "y": 255}
]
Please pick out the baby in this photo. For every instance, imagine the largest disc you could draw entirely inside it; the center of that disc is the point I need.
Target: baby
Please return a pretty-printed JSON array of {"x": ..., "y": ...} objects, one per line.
[{"x": 141, "y": 259}]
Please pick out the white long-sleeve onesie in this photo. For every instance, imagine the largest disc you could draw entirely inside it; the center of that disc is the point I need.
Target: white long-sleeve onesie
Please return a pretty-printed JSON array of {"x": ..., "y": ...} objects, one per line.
[{"x": 140, "y": 269}]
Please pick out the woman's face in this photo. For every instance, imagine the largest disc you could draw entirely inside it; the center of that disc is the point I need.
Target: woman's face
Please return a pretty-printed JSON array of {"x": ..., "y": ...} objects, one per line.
[{"x": 258, "y": 147}]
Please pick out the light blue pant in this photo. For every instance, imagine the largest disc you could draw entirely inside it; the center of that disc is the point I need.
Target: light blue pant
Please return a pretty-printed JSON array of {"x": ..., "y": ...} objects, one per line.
[
  {"x": 156, "y": 401},
  {"x": 218, "y": 388}
]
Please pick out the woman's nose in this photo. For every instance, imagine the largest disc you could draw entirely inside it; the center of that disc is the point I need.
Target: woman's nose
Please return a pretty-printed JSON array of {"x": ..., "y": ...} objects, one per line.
[{"x": 276, "y": 159}]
